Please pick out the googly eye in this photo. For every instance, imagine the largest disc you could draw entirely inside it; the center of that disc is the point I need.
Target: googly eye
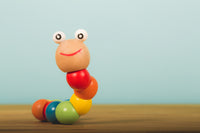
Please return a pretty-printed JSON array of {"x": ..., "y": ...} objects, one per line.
[
  {"x": 81, "y": 34},
  {"x": 58, "y": 37}
]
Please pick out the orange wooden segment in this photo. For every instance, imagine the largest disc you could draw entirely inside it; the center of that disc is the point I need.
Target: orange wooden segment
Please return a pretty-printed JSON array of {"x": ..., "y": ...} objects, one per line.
[
  {"x": 37, "y": 109},
  {"x": 89, "y": 92}
]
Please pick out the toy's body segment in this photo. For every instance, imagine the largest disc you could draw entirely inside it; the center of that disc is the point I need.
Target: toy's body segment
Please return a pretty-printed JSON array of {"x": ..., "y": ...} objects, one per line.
[{"x": 73, "y": 57}]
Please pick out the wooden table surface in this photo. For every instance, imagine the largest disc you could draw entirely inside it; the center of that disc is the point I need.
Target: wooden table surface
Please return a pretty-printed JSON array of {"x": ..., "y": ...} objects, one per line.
[{"x": 108, "y": 118}]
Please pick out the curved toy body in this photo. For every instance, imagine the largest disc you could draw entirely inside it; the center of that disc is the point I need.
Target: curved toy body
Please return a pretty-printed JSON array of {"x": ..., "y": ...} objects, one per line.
[{"x": 72, "y": 57}]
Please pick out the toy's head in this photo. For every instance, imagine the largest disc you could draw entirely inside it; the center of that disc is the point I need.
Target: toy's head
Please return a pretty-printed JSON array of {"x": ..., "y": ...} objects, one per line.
[{"x": 72, "y": 55}]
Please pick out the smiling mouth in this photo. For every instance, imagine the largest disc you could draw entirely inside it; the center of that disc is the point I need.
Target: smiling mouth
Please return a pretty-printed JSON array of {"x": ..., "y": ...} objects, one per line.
[{"x": 71, "y": 53}]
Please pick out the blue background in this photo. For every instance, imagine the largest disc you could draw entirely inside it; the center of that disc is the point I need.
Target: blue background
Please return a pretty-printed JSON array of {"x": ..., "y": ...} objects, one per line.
[{"x": 141, "y": 51}]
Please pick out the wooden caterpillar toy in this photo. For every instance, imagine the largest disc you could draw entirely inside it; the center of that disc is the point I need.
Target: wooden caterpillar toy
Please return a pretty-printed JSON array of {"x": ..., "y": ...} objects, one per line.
[{"x": 72, "y": 57}]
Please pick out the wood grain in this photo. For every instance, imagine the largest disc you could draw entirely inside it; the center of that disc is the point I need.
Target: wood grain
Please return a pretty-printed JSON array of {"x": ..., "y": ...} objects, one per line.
[{"x": 108, "y": 118}]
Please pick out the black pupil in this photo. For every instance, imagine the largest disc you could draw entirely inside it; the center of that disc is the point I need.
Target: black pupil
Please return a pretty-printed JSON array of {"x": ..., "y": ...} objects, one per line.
[
  {"x": 80, "y": 36},
  {"x": 58, "y": 36}
]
